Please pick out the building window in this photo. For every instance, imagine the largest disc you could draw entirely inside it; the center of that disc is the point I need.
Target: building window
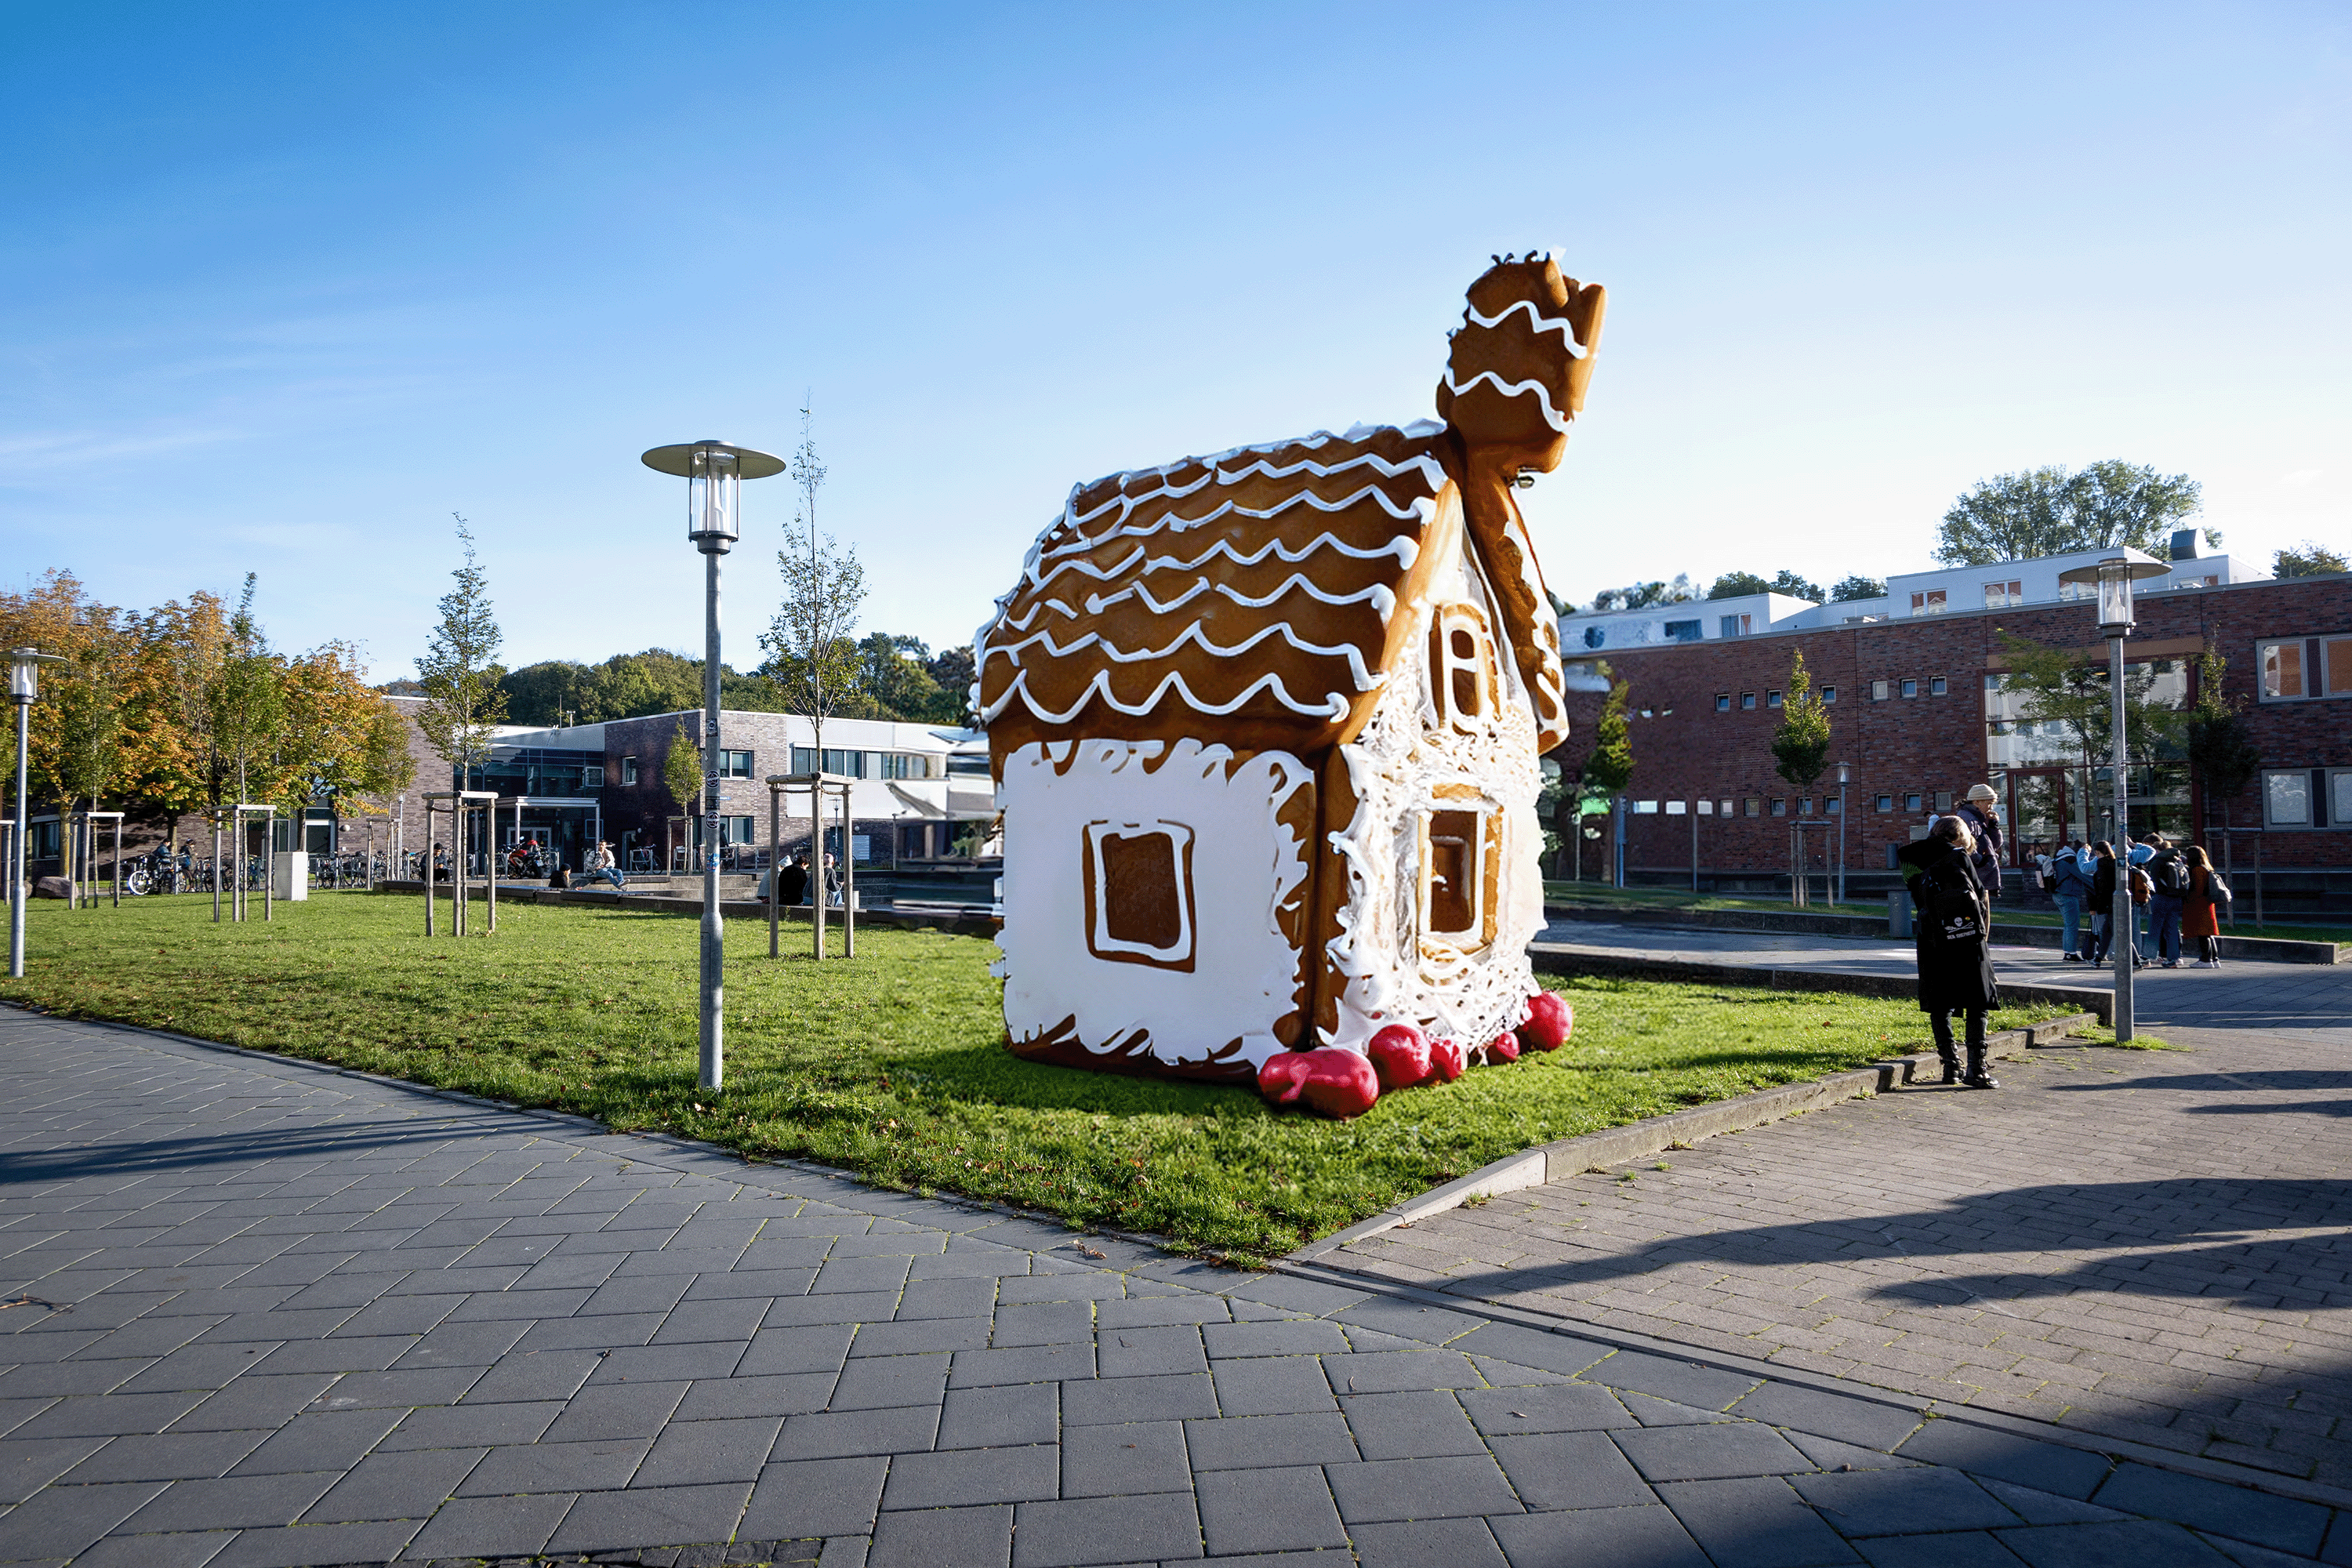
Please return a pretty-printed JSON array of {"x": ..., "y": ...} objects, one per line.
[
  {"x": 1912, "y": 802},
  {"x": 1683, "y": 631},
  {"x": 734, "y": 764},
  {"x": 1927, "y": 603},
  {"x": 1723, "y": 701},
  {"x": 740, "y": 830},
  {"x": 1726, "y": 809},
  {"x": 903, "y": 765},
  {"x": 1747, "y": 701},
  {"x": 1805, "y": 806},
  {"x": 592, "y": 776},
  {"x": 1828, "y": 693},
  {"x": 628, "y": 773},
  {"x": 1831, "y": 806},
  {"x": 1910, "y": 689},
  {"x": 1884, "y": 803},
  {"x": 1943, "y": 802},
  {"x": 1936, "y": 687},
  {"x": 1737, "y": 625},
  {"x": 1754, "y": 804},
  {"x": 1878, "y": 691},
  {"x": 1139, "y": 888},
  {"x": 803, "y": 760},
  {"x": 1779, "y": 806},
  {"x": 847, "y": 765},
  {"x": 1705, "y": 807},
  {"x": 2286, "y": 799},
  {"x": 1456, "y": 856},
  {"x": 2001, "y": 595},
  {"x": 2306, "y": 666},
  {"x": 1771, "y": 699}
]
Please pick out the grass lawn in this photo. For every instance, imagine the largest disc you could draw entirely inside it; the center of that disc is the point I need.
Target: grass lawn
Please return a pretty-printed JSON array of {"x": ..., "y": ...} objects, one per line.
[
  {"x": 1596, "y": 895},
  {"x": 893, "y": 1066}
]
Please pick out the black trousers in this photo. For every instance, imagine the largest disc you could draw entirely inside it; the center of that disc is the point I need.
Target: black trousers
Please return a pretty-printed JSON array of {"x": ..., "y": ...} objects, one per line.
[{"x": 1941, "y": 1020}]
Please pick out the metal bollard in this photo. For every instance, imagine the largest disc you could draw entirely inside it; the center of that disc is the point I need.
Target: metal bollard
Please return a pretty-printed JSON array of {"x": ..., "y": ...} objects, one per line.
[{"x": 1898, "y": 916}]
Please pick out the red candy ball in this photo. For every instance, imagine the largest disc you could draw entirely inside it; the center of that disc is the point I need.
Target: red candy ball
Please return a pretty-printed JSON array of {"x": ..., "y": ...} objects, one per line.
[
  {"x": 1446, "y": 1061},
  {"x": 1549, "y": 1022},
  {"x": 1399, "y": 1054},
  {"x": 1336, "y": 1082},
  {"x": 1504, "y": 1048}
]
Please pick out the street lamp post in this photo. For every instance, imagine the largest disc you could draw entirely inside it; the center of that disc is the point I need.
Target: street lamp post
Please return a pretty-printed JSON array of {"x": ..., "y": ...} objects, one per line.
[
  {"x": 2113, "y": 578},
  {"x": 24, "y": 687},
  {"x": 714, "y": 472},
  {"x": 1845, "y": 774}
]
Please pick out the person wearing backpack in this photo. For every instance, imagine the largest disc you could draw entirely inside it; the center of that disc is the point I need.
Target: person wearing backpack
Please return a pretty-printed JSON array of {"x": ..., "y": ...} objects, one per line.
[
  {"x": 2169, "y": 883},
  {"x": 2201, "y": 911},
  {"x": 1952, "y": 925},
  {"x": 2070, "y": 884}
]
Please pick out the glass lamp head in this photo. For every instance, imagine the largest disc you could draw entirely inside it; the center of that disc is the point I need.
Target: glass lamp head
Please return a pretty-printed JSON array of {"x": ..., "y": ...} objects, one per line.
[
  {"x": 714, "y": 472},
  {"x": 2115, "y": 596}
]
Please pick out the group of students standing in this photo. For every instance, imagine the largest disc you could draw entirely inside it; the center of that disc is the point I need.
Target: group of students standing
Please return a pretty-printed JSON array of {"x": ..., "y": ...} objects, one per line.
[{"x": 2175, "y": 894}]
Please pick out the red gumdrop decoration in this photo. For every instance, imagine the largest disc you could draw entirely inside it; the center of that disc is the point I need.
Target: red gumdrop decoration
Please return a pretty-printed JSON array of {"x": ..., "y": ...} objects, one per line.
[
  {"x": 1548, "y": 1023},
  {"x": 1336, "y": 1082},
  {"x": 1506, "y": 1049},
  {"x": 1446, "y": 1061},
  {"x": 1399, "y": 1054}
]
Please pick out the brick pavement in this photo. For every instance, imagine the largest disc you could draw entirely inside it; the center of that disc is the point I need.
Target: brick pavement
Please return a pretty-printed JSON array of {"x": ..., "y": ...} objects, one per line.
[
  {"x": 270, "y": 1315},
  {"x": 2151, "y": 1246}
]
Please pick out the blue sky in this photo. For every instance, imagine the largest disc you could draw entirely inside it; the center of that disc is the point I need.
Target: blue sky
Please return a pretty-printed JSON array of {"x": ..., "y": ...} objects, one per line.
[{"x": 281, "y": 288}]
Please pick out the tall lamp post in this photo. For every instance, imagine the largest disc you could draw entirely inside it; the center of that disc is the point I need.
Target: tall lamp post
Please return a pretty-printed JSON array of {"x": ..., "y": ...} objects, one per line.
[
  {"x": 1845, "y": 774},
  {"x": 714, "y": 472},
  {"x": 24, "y": 688},
  {"x": 2113, "y": 578}
]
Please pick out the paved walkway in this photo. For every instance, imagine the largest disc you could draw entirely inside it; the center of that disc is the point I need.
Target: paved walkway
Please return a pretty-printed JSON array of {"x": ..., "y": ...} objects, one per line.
[
  {"x": 2151, "y": 1246},
  {"x": 267, "y": 1315}
]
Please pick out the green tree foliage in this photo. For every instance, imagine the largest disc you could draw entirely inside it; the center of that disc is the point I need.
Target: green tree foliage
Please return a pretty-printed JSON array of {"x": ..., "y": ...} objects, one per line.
[
  {"x": 1643, "y": 596},
  {"x": 92, "y": 695},
  {"x": 1739, "y": 585},
  {"x": 2068, "y": 686},
  {"x": 683, "y": 772},
  {"x": 2054, "y": 512},
  {"x": 1609, "y": 766},
  {"x": 2311, "y": 560},
  {"x": 459, "y": 669},
  {"x": 245, "y": 702},
  {"x": 1857, "y": 587},
  {"x": 811, "y": 657},
  {"x": 2221, "y": 746},
  {"x": 1800, "y": 746}
]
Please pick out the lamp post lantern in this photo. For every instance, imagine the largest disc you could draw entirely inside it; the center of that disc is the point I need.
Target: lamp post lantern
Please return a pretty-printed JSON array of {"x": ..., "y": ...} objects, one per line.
[
  {"x": 2113, "y": 578},
  {"x": 714, "y": 472},
  {"x": 1845, "y": 775},
  {"x": 23, "y": 689}
]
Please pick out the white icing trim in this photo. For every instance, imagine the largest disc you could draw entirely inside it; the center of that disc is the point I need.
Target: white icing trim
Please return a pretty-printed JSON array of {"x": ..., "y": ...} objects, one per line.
[
  {"x": 1537, "y": 323},
  {"x": 1334, "y": 706},
  {"x": 1512, "y": 389},
  {"x": 1170, "y": 522},
  {"x": 1404, "y": 548},
  {"x": 1365, "y": 679},
  {"x": 1379, "y": 595}
]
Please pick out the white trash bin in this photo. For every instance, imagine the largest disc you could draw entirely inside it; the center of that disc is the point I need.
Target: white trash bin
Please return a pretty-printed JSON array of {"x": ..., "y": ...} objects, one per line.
[{"x": 289, "y": 874}]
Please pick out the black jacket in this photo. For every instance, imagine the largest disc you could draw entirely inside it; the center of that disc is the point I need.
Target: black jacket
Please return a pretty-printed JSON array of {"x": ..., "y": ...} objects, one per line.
[
  {"x": 1987, "y": 858},
  {"x": 1952, "y": 974},
  {"x": 791, "y": 884},
  {"x": 2103, "y": 887}
]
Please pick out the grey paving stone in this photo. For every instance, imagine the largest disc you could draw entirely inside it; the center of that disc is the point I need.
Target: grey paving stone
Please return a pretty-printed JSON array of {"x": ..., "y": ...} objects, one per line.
[
  {"x": 1268, "y": 1511},
  {"x": 653, "y": 1293},
  {"x": 406, "y": 1315},
  {"x": 816, "y": 1498},
  {"x": 330, "y": 1441},
  {"x": 814, "y": 1347},
  {"x": 920, "y": 1334},
  {"x": 2048, "y": 1507},
  {"x": 731, "y": 1397},
  {"x": 1710, "y": 1453},
  {"x": 1275, "y": 1337},
  {"x": 1045, "y": 1323},
  {"x": 1249, "y": 1441},
  {"x": 1649, "y": 1412},
  {"x": 2136, "y": 1544},
  {"x": 232, "y": 1502},
  {"x": 1024, "y": 1363},
  {"x": 1070, "y": 1285},
  {"x": 1562, "y": 1353},
  {"x": 168, "y": 1456},
  {"x": 1153, "y": 1312},
  {"x": 603, "y": 1331},
  {"x": 1290, "y": 1293},
  {"x": 556, "y": 1468},
  {"x": 1397, "y": 1370},
  {"x": 401, "y": 1485},
  {"x": 1001, "y": 1417},
  {"x": 1383, "y": 1490},
  {"x": 64, "y": 1377},
  {"x": 1088, "y": 1532},
  {"x": 1571, "y": 1470},
  {"x": 1685, "y": 1383},
  {"x": 462, "y": 1425},
  {"x": 1410, "y": 1426},
  {"x": 302, "y": 1545},
  {"x": 437, "y": 1385},
  {"x": 491, "y": 1527},
  {"x": 1428, "y": 1543},
  {"x": 1958, "y": 1548},
  {"x": 953, "y": 1298},
  {"x": 1867, "y": 1422},
  {"x": 255, "y": 1401},
  {"x": 615, "y": 1410},
  {"x": 966, "y": 1261},
  {"x": 732, "y": 1320},
  {"x": 1408, "y": 1320},
  {"x": 2045, "y": 1466},
  {"x": 603, "y": 1521},
  {"x": 927, "y": 1538},
  {"x": 1166, "y": 1350},
  {"x": 551, "y": 1374},
  {"x": 61, "y": 1521},
  {"x": 192, "y": 1549},
  {"x": 108, "y": 1414},
  {"x": 889, "y": 1243},
  {"x": 1648, "y": 1537},
  {"x": 692, "y": 1453},
  {"x": 907, "y": 1429},
  {"x": 530, "y": 1304},
  {"x": 880, "y": 1383},
  {"x": 740, "y": 1282},
  {"x": 26, "y": 1466},
  {"x": 1753, "y": 1522},
  {"x": 463, "y": 1345},
  {"x": 962, "y": 1477},
  {"x": 849, "y": 1307},
  {"x": 2283, "y": 1524},
  {"x": 373, "y": 1353},
  {"x": 859, "y": 1275},
  {"x": 1901, "y": 1502},
  {"x": 1272, "y": 1386},
  {"x": 1561, "y": 1407},
  {"x": 1131, "y": 1460},
  {"x": 1124, "y": 1399},
  {"x": 668, "y": 1363}
]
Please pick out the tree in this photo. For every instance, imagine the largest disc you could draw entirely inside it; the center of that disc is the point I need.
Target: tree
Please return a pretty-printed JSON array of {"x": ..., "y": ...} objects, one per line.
[
  {"x": 1800, "y": 746},
  {"x": 1738, "y": 586},
  {"x": 811, "y": 657},
  {"x": 1643, "y": 596},
  {"x": 2311, "y": 560},
  {"x": 1798, "y": 587},
  {"x": 89, "y": 694},
  {"x": 1857, "y": 587},
  {"x": 2221, "y": 746},
  {"x": 459, "y": 670},
  {"x": 954, "y": 672},
  {"x": 2053, "y": 512},
  {"x": 550, "y": 692},
  {"x": 1609, "y": 766},
  {"x": 2068, "y": 688},
  {"x": 245, "y": 701}
]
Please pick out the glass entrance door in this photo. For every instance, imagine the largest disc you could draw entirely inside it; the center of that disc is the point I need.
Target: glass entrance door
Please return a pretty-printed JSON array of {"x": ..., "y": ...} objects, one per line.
[{"x": 2039, "y": 812}]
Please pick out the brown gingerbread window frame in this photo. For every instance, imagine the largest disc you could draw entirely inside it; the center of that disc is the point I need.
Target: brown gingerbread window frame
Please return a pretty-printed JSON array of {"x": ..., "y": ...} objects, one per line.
[
  {"x": 1460, "y": 845},
  {"x": 1461, "y": 667},
  {"x": 1139, "y": 900}
]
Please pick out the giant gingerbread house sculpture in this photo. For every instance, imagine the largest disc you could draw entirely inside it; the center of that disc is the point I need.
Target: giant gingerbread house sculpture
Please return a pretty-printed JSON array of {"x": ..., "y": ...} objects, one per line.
[{"x": 1265, "y": 726}]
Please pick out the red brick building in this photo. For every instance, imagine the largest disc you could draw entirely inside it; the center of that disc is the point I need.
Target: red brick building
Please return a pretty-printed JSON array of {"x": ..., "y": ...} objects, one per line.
[{"x": 1919, "y": 714}]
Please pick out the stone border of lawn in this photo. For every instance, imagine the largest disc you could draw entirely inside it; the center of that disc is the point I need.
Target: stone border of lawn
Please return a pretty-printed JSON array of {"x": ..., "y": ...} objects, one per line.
[
  {"x": 1568, "y": 959},
  {"x": 1677, "y": 1128},
  {"x": 2264, "y": 948},
  {"x": 1301, "y": 1268}
]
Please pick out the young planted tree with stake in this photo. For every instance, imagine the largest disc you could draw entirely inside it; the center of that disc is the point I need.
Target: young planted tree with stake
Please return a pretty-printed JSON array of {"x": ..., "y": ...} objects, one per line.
[
  {"x": 1800, "y": 746},
  {"x": 812, "y": 656},
  {"x": 459, "y": 669}
]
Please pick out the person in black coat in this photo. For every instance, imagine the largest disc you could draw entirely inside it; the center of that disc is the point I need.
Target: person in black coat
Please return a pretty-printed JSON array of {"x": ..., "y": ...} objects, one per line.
[
  {"x": 792, "y": 882},
  {"x": 1951, "y": 921}
]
